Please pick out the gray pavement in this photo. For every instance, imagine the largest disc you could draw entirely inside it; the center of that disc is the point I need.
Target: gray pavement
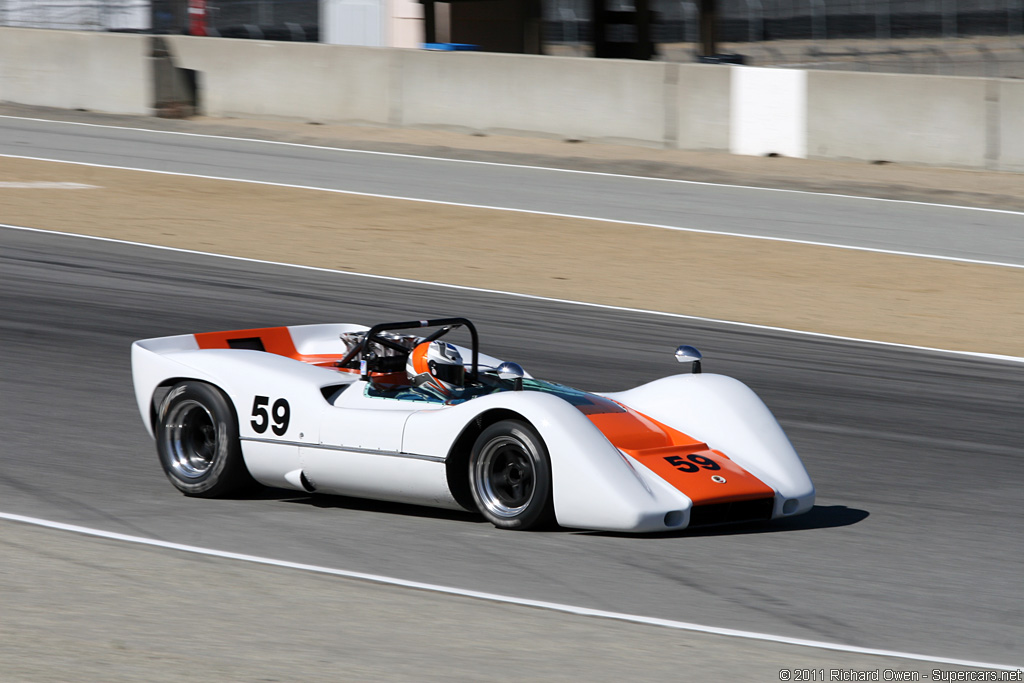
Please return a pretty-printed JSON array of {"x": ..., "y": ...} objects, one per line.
[
  {"x": 83, "y": 609},
  {"x": 959, "y": 233},
  {"x": 914, "y": 544}
]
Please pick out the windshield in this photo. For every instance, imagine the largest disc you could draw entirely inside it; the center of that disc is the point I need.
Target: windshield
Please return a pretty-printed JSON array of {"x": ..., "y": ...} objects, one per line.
[{"x": 586, "y": 403}]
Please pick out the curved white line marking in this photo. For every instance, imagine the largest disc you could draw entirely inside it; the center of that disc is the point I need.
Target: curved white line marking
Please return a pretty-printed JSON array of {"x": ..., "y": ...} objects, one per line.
[
  {"x": 508, "y": 165},
  {"x": 675, "y": 228},
  {"x": 533, "y": 297},
  {"x": 505, "y": 599}
]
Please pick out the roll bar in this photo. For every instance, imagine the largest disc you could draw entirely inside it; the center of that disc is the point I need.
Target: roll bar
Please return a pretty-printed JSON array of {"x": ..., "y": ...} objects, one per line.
[{"x": 373, "y": 334}]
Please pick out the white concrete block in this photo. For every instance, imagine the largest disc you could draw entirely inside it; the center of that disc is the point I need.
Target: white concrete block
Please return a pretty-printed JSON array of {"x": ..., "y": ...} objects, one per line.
[{"x": 769, "y": 111}]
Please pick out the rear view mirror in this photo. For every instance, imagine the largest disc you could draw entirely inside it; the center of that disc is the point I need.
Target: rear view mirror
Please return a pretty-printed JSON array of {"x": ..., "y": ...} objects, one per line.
[{"x": 689, "y": 354}]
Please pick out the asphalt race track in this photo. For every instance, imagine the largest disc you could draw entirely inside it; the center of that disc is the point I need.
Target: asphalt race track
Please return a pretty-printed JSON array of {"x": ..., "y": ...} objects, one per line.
[
  {"x": 914, "y": 544},
  {"x": 987, "y": 236}
]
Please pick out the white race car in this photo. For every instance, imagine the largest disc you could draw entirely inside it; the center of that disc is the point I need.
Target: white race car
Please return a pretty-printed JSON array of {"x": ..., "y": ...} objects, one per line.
[{"x": 385, "y": 414}]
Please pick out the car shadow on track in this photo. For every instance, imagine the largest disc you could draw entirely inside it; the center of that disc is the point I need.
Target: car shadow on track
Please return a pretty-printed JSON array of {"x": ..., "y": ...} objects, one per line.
[
  {"x": 819, "y": 517},
  {"x": 327, "y": 501}
]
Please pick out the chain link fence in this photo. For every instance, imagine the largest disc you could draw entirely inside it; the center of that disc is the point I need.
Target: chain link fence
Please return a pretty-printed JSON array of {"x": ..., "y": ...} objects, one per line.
[
  {"x": 264, "y": 19},
  {"x": 568, "y": 21},
  {"x": 78, "y": 15},
  {"x": 946, "y": 37},
  {"x": 297, "y": 20},
  {"x": 949, "y": 37},
  {"x": 942, "y": 37}
]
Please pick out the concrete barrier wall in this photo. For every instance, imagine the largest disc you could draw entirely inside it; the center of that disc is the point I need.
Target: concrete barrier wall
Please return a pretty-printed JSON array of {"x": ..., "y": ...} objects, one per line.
[
  {"x": 701, "y": 108},
  {"x": 1009, "y": 124},
  {"x": 897, "y": 117},
  {"x": 76, "y": 70},
  {"x": 300, "y": 81},
  {"x": 965, "y": 122},
  {"x": 620, "y": 101}
]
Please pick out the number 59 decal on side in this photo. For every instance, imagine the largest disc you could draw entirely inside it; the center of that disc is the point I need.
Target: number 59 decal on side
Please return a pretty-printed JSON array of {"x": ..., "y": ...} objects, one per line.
[
  {"x": 692, "y": 463},
  {"x": 279, "y": 412}
]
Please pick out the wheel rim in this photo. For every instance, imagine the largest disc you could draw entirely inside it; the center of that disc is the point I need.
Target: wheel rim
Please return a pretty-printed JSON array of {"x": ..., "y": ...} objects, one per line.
[
  {"x": 191, "y": 439},
  {"x": 505, "y": 477}
]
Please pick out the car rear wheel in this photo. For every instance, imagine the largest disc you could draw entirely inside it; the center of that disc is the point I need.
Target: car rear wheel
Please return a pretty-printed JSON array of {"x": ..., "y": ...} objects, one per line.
[
  {"x": 197, "y": 441},
  {"x": 510, "y": 476}
]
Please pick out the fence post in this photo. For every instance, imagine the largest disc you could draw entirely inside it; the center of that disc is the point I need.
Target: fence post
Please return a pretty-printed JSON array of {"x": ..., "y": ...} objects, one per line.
[
  {"x": 569, "y": 19},
  {"x": 818, "y": 19},
  {"x": 949, "y": 18},
  {"x": 690, "y": 34},
  {"x": 755, "y": 29},
  {"x": 1013, "y": 17},
  {"x": 883, "y": 26}
]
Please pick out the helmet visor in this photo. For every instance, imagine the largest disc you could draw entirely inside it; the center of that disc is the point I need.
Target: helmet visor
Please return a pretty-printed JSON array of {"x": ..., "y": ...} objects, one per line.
[{"x": 449, "y": 374}]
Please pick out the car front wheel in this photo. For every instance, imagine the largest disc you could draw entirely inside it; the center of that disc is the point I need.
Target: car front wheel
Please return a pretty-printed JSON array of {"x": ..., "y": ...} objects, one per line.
[{"x": 510, "y": 476}]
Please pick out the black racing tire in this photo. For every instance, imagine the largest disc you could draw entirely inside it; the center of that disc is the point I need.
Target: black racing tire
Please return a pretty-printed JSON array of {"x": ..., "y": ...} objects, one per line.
[
  {"x": 197, "y": 440},
  {"x": 510, "y": 476}
]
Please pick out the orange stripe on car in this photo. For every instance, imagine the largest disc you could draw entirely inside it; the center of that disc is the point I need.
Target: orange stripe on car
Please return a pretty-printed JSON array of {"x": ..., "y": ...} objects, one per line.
[
  {"x": 703, "y": 475},
  {"x": 278, "y": 340}
]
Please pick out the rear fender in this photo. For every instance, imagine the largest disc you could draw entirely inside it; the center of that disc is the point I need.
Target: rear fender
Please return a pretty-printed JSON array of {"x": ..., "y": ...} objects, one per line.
[
  {"x": 242, "y": 375},
  {"x": 151, "y": 368}
]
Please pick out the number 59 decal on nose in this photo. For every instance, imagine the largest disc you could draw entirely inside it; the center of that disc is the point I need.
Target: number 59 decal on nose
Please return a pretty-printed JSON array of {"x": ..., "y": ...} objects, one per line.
[{"x": 692, "y": 463}]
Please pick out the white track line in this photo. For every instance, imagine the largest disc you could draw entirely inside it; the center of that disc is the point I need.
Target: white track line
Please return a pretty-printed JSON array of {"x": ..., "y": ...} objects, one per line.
[
  {"x": 531, "y": 212},
  {"x": 44, "y": 185},
  {"x": 533, "y": 297},
  {"x": 508, "y": 165},
  {"x": 505, "y": 599}
]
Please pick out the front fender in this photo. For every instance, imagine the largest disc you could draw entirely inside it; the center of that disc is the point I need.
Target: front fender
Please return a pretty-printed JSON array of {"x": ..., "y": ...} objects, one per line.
[
  {"x": 594, "y": 485},
  {"x": 728, "y": 416}
]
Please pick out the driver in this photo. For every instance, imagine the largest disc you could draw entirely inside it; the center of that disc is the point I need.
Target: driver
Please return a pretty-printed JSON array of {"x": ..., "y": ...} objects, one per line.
[{"x": 437, "y": 366}]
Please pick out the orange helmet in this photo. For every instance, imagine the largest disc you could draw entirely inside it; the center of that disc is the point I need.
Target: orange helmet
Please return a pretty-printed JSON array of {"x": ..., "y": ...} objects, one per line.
[{"x": 438, "y": 365}]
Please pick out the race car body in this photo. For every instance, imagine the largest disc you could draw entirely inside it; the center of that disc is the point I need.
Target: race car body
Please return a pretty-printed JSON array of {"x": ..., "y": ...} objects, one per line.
[{"x": 337, "y": 409}]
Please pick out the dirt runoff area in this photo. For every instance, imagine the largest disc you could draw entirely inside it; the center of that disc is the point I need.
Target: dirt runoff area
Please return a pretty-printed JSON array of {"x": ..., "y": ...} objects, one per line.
[{"x": 819, "y": 289}]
